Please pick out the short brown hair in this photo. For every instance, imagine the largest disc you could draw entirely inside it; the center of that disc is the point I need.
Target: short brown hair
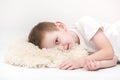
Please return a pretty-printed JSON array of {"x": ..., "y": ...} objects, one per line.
[{"x": 37, "y": 33}]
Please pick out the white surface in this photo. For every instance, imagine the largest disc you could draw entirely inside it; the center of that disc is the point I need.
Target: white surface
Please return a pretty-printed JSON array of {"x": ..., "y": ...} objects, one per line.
[{"x": 8, "y": 72}]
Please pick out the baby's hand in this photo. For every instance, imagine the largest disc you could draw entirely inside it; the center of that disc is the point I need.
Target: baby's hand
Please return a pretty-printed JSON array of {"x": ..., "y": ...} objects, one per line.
[
  {"x": 70, "y": 64},
  {"x": 91, "y": 65}
]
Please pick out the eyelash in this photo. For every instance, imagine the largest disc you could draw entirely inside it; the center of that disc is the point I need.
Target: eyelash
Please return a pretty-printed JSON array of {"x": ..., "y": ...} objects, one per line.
[{"x": 57, "y": 41}]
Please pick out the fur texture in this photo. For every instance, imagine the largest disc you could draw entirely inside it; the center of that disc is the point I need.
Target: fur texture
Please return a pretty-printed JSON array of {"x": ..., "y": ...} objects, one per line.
[{"x": 25, "y": 54}]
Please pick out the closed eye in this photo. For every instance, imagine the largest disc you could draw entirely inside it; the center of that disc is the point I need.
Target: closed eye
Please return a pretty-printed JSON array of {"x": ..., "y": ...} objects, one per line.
[{"x": 57, "y": 41}]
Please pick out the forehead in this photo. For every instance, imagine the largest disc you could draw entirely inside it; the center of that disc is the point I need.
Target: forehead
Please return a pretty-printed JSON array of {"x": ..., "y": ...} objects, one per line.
[{"x": 49, "y": 39}]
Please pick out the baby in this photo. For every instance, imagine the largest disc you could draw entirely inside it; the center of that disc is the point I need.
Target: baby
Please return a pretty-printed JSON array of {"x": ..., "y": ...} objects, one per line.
[{"x": 87, "y": 33}]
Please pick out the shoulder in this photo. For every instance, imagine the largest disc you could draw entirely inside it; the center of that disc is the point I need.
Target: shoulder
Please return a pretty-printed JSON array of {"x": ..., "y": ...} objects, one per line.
[{"x": 88, "y": 26}]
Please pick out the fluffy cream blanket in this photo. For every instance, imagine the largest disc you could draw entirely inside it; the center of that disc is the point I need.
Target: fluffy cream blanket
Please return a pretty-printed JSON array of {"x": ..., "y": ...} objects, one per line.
[{"x": 25, "y": 54}]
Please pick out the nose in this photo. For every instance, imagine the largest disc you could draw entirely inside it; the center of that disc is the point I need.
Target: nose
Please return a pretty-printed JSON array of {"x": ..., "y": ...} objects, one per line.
[{"x": 62, "y": 47}]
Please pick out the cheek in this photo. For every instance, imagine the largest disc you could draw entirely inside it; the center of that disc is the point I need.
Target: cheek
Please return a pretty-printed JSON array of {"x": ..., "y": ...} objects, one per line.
[{"x": 68, "y": 39}]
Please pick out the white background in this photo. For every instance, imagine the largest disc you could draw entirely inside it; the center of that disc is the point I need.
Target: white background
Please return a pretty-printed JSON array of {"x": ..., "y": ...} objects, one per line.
[{"x": 17, "y": 17}]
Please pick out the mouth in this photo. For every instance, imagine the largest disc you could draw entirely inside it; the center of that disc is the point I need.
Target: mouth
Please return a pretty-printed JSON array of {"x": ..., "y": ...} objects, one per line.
[{"x": 68, "y": 46}]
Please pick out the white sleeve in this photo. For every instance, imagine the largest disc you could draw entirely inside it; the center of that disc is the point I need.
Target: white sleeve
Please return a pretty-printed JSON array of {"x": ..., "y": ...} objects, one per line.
[{"x": 88, "y": 26}]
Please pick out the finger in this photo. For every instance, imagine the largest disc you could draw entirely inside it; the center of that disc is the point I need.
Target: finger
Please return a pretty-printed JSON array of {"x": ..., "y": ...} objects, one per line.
[
  {"x": 71, "y": 68},
  {"x": 85, "y": 67},
  {"x": 82, "y": 64},
  {"x": 92, "y": 64},
  {"x": 88, "y": 64},
  {"x": 97, "y": 64},
  {"x": 65, "y": 67},
  {"x": 64, "y": 63}
]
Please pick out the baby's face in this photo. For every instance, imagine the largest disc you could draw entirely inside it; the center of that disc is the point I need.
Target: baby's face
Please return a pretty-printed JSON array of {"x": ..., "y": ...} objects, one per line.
[{"x": 58, "y": 39}]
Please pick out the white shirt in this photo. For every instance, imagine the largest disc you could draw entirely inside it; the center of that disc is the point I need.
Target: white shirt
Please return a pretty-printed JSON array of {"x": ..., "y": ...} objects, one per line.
[{"x": 87, "y": 27}]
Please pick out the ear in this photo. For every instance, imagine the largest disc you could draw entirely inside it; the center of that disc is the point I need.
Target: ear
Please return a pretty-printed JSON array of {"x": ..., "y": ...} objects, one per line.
[{"x": 61, "y": 25}]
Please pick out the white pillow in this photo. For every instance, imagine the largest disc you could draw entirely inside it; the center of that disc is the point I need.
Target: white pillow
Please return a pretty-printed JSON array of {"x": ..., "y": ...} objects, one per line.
[{"x": 23, "y": 53}]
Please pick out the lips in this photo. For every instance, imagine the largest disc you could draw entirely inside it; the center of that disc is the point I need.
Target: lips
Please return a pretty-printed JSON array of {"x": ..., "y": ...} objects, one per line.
[{"x": 68, "y": 46}]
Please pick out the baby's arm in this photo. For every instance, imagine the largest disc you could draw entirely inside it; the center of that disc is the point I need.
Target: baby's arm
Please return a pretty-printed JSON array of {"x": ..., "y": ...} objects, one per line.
[
  {"x": 109, "y": 63},
  {"x": 95, "y": 65},
  {"x": 105, "y": 50},
  {"x": 87, "y": 63}
]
